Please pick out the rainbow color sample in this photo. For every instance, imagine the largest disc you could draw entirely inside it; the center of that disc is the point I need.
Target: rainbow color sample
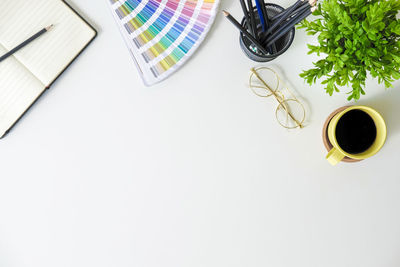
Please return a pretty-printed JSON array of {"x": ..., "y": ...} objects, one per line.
[{"x": 163, "y": 34}]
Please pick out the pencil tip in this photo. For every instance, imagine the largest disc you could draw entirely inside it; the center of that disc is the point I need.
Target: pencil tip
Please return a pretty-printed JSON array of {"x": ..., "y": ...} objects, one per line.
[
  {"x": 225, "y": 13},
  {"x": 48, "y": 28}
]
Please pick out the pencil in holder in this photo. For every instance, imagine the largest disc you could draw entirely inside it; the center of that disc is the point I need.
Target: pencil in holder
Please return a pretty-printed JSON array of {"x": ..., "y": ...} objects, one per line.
[{"x": 282, "y": 44}]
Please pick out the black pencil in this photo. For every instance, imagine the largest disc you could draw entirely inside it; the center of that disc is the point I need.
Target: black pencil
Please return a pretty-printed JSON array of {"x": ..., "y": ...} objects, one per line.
[
  {"x": 267, "y": 23},
  {"x": 244, "y": 31},
  {"x": 299, "y": 10},
  {"x": 263, "y": 21},
  {"x": 246, "y": 14},
  {"x": 283, "y": 12},
  {"x": 285, "y": 16},
  {"x": 286, "y": 28},
  {"x": 253, "y": 25},
  {"x": 25, "y": 43},
  {"x": 296, "y": 13}
]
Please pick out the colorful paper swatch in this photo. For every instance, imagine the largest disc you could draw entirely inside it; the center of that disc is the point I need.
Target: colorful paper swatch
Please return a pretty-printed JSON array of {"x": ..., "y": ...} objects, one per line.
[{"x": 163, "y": 34}]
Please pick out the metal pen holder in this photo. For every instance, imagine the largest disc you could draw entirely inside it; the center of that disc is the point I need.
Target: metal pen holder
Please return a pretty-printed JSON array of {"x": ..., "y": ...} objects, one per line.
[{"x": 282, "y": 44}]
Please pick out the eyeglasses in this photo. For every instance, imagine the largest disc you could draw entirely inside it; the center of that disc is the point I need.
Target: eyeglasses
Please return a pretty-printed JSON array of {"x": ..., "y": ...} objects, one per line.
[{"x": 265, "y": 82}]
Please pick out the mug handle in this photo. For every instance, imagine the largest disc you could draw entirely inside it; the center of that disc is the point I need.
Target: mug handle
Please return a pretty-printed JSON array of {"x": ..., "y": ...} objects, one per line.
[{"x": 334, "y": 156}]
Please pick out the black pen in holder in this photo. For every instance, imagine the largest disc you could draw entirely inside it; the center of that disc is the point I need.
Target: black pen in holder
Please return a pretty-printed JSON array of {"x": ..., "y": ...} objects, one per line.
[{"x": 282, "y": 44}]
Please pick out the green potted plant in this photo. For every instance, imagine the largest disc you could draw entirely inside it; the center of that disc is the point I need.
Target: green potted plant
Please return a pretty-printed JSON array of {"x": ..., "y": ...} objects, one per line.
[{"x": 358, "y": 37}]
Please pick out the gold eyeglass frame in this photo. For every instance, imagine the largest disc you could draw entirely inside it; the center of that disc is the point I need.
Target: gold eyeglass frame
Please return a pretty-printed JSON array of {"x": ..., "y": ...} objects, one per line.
[{"x": 279, "y": 96}]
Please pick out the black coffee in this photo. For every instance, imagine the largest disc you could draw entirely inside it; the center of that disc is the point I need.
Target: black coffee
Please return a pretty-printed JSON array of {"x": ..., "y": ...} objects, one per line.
[{"x": 355, "y": 131}]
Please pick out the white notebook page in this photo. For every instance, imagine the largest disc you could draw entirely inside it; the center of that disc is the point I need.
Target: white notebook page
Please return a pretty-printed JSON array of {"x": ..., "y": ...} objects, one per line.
[
  {"x": 18, "y": 90},
  {"x": 49, "y": 55}
]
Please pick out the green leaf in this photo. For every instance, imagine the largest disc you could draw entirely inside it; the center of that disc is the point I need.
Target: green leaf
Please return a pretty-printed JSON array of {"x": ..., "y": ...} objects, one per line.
[
  {"x": 359, "y": 38},
  {"x": 396, "y": 75},
  {"x": 344, "y": 57}
]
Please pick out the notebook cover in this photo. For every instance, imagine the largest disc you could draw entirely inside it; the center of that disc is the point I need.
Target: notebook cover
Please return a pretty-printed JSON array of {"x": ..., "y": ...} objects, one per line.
[{"x": 34, "y": 102}]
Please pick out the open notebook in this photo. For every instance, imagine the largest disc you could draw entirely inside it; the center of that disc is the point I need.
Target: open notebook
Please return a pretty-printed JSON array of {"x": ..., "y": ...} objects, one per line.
[{"x": 29, "y": 72}]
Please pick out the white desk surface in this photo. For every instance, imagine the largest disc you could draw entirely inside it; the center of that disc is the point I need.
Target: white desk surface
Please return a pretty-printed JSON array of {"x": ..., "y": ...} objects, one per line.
[{"x": 192, "y": 172}]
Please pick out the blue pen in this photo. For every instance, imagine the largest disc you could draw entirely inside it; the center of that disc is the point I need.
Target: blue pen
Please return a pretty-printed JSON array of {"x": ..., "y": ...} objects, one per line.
[
  {"x": 261, "y": 15},
  {"x": 262, "y": 12}
]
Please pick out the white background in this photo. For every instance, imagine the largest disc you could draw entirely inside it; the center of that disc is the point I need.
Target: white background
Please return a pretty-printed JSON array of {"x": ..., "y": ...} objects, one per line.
[{"x": 192, "y": 172}]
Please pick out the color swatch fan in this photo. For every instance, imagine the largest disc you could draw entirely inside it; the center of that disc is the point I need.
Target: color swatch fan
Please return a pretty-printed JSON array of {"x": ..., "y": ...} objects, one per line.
[{"x": 163, "y": 34}]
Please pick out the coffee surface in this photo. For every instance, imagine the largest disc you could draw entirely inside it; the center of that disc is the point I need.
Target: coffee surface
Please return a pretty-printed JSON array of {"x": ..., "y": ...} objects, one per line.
[{"x": 355, "y": 131}]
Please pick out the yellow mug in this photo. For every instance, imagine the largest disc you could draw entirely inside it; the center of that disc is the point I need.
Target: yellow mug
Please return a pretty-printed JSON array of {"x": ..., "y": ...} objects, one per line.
[{"x": 337, "y": 153}]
